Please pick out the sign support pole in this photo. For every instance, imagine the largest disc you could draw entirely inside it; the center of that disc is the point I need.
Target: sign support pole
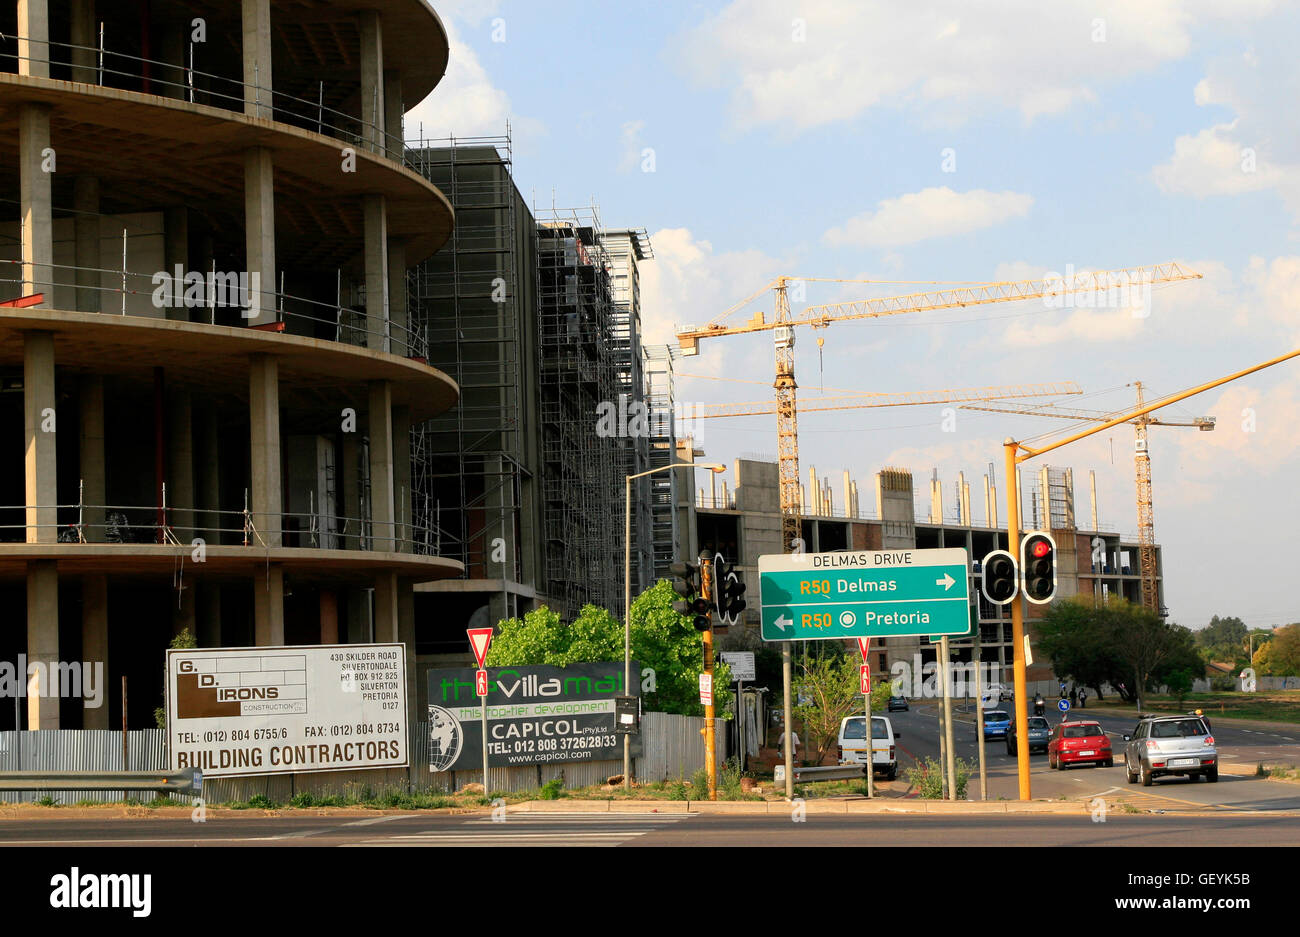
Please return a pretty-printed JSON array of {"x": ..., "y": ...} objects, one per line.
[
  {"x": 864, "y": 645},
  {"x": 945, "y": 671},
  {"x": 789, "y": 719},
  {"x": 483, "y": 702}
]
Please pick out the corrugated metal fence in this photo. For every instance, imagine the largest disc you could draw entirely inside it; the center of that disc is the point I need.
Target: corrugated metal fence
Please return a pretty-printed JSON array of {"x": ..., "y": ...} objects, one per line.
[{"x": 672, "y": 747}]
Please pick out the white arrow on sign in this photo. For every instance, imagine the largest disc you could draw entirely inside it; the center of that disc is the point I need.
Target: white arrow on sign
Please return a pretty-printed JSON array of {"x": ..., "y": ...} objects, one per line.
[
  {"x": 782, "y": 622},
  {"x": 946, "y": 582}
]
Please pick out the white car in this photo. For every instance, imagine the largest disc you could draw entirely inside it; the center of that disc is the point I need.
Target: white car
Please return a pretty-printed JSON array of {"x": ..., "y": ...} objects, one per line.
[
  {"x": 994, "y": 694},
  {"x": 884, "y": 748}
]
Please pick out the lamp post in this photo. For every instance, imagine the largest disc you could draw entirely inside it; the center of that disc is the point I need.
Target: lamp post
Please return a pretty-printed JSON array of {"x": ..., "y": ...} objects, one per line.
[{"x": 627, "y": 590}]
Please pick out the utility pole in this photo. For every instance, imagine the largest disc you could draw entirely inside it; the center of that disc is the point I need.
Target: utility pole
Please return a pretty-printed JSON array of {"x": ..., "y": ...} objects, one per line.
[{"x": 710, "y": 757}]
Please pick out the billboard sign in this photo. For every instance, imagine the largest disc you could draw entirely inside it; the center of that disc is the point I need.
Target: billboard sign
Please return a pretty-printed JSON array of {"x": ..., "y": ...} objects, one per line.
[
  {"x": 535, "y": 715},
  {"x": 233, "y": 712}
]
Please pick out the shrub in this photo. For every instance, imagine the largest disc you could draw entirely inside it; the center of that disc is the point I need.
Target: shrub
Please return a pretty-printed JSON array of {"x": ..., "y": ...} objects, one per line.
[
  {"x": 551, "y": 790},
  {"x": 677, "y": 790}
]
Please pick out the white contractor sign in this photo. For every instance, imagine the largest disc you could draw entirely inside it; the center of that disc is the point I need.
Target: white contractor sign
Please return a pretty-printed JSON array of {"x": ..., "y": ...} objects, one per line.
[{"x": 276, "y": 710}]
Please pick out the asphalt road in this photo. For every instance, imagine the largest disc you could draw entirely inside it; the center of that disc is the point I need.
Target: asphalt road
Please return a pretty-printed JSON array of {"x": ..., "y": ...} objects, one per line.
[
  {"x": 661, "y": 830},
  {"x": 920, "y": 739}
]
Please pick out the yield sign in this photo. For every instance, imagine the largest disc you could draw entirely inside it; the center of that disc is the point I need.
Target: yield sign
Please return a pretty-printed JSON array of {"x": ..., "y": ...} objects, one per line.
[
  {"x": 864, "y": 645},
  {"x": 479, "y": 639}
]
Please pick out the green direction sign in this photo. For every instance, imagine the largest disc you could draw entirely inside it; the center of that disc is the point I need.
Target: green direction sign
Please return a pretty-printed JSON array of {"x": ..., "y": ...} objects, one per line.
[{"x": 864, "y": 594}]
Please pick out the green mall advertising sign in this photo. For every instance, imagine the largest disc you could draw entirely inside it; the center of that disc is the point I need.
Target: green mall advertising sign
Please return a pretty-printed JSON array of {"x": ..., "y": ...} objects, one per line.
[{"x": 864, "y": 593}]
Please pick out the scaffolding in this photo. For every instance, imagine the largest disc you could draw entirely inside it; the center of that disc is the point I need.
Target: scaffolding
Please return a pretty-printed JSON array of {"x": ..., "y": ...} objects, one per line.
[
  {"x": 582, "y": 490},
  {"x": 467, "y": 462},
  {"x": 665, "y": 538}
]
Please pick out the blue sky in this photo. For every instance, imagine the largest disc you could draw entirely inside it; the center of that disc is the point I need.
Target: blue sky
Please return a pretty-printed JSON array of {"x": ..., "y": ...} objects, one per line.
[{"x": 949, "y": 141}]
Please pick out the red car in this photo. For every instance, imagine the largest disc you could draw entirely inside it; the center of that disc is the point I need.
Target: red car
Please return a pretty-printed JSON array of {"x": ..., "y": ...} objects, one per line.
[{"x": 1079, "y": 742}]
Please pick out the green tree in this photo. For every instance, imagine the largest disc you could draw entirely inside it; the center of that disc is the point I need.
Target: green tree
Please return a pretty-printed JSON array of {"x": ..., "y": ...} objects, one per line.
[
  {"x": 1116, "y": 642},
  {"x": 1222, "y": 633},
  {"x": 1280, "y": 657},
  {"x": 662, "y": 641},
  {"x": 829, "y": 679}
]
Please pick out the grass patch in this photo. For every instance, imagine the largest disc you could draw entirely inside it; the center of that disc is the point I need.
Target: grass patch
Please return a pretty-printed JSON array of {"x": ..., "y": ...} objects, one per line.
[
  {"x": 551, "y": 790},
  {"x": 1266, "y": 705}
]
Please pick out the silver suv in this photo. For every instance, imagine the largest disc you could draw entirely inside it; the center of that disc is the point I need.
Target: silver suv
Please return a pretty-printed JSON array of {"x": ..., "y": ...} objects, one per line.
[{"x": 1163, "y": 745}]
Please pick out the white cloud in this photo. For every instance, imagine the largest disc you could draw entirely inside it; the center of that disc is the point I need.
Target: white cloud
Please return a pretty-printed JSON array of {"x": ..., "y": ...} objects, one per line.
[
  {"x": 631, "y": 145},
  {"x": 1212, "y": 162},
  {"x": 465, "y": 103},
  {"x": 945, "y": 58},
  {"x": 930, "y": 213}
]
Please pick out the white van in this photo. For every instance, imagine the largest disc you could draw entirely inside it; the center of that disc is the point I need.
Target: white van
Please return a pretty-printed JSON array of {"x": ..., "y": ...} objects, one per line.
[{"x": 853, "y": 746}]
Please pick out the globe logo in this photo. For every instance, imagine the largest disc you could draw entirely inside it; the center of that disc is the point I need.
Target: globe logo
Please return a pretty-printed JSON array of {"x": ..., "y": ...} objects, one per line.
[{"x": 445, "y": 738}]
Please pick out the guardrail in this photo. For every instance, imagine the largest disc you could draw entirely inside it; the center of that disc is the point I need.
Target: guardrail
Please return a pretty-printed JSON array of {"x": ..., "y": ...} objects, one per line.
[
  {"x": 830, "y": 773},
  {"x": 189, "y": 781}
]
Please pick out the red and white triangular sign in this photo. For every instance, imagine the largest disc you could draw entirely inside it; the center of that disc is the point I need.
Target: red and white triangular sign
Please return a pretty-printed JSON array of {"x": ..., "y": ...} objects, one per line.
[
  {"x": 864, "y": 645},
  {"x": 479, "y": 639}
]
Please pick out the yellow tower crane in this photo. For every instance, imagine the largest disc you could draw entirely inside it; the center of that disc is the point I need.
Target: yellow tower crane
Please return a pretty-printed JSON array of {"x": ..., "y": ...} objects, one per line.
[
  {"x": 948, "y": 297},
  {"x": 1142, "y": 460}
]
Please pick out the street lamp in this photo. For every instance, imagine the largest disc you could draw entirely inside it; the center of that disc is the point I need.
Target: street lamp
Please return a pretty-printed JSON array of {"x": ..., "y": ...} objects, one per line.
[{"x": 716, "y": 467}]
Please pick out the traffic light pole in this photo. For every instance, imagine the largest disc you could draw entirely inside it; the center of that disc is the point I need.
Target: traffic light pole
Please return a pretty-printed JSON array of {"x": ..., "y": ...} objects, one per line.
[
  {"x": 1011, "y": 448},
  {"x": 710, "y": 749},
  {"x": 1017, "y": 627}
]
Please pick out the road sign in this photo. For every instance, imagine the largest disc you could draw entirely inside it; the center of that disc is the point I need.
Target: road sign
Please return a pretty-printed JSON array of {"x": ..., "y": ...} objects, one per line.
[
  {"x": 864, "y": 679},
  {"x": 480, "y": 682},
  {"x": 741, "y": 664},
  {"x": 1063, "y": 705},
  {"x": 706, "y": 689},
  {"x": 479, "y": 640},
  {"x": 864, "y": 593},
  {"x": 864, "y": 645}
]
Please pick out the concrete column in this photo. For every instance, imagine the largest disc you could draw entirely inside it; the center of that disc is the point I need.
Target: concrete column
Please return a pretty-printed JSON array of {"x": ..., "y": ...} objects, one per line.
[
  {"x": 382, "y": 518},
  {"x": 176, "y": 256},
  {"x": 350, "y": 493},
  {"x": 377, "y": 272},
  {"x": 394, "y": 108},
  {"x": 39, "y": 426},
  {"x": 209, "y": 449},
  {"x": 402, "y": 476},
  {"x": 34, "y": 39},
  {"x": 386, "y": 607},
  {"x": 257, "y": 58},
  {"x": 372, "y": 80},
  {"x": 268, "y": 606},
  {"x": 329, "y": 616},
  {"x": 85, "y": 202},
  {"x": 180, "y": 464},
  {"x": 264, "y": 446},
  {"x": 94, "y": 643},
  {"x": 35, "y": 203},
  {"x": 42, "y": 643},
  {"x": 398, "y": 317},
  {"x": 85, "y": 59},
  {"x": 94, "y": 491},
  {"x": 259, "y": 232}
]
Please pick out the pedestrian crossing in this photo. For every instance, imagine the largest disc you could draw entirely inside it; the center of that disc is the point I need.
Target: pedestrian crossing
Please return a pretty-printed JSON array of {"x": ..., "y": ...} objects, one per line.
[{"x": 535, "y": 829}]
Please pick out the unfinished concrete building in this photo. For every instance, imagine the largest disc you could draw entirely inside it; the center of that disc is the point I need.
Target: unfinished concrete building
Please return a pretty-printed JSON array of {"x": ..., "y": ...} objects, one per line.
[{"x": 205, "y": 344}]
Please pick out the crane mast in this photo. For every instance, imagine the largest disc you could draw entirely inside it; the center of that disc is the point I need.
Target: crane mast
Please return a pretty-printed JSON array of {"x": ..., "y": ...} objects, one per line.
[{"x": 787, "y": 425}]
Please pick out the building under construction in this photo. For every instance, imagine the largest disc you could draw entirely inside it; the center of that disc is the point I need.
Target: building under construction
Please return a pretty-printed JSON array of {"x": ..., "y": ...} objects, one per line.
[{"x": 536, "y": 316}]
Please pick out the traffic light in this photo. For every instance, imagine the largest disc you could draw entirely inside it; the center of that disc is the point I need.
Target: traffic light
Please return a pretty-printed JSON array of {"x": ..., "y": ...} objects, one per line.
[
  {"x": 1038, "y": 567},
  {"x": 1000, "y": 581},
  {"x": 687, "y": 584},
  {"x": 729, "y": 589}
]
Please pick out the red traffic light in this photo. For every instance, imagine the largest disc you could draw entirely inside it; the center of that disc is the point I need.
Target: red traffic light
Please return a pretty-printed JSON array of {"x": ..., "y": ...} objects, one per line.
[{"x": 1041, "y": 548}]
